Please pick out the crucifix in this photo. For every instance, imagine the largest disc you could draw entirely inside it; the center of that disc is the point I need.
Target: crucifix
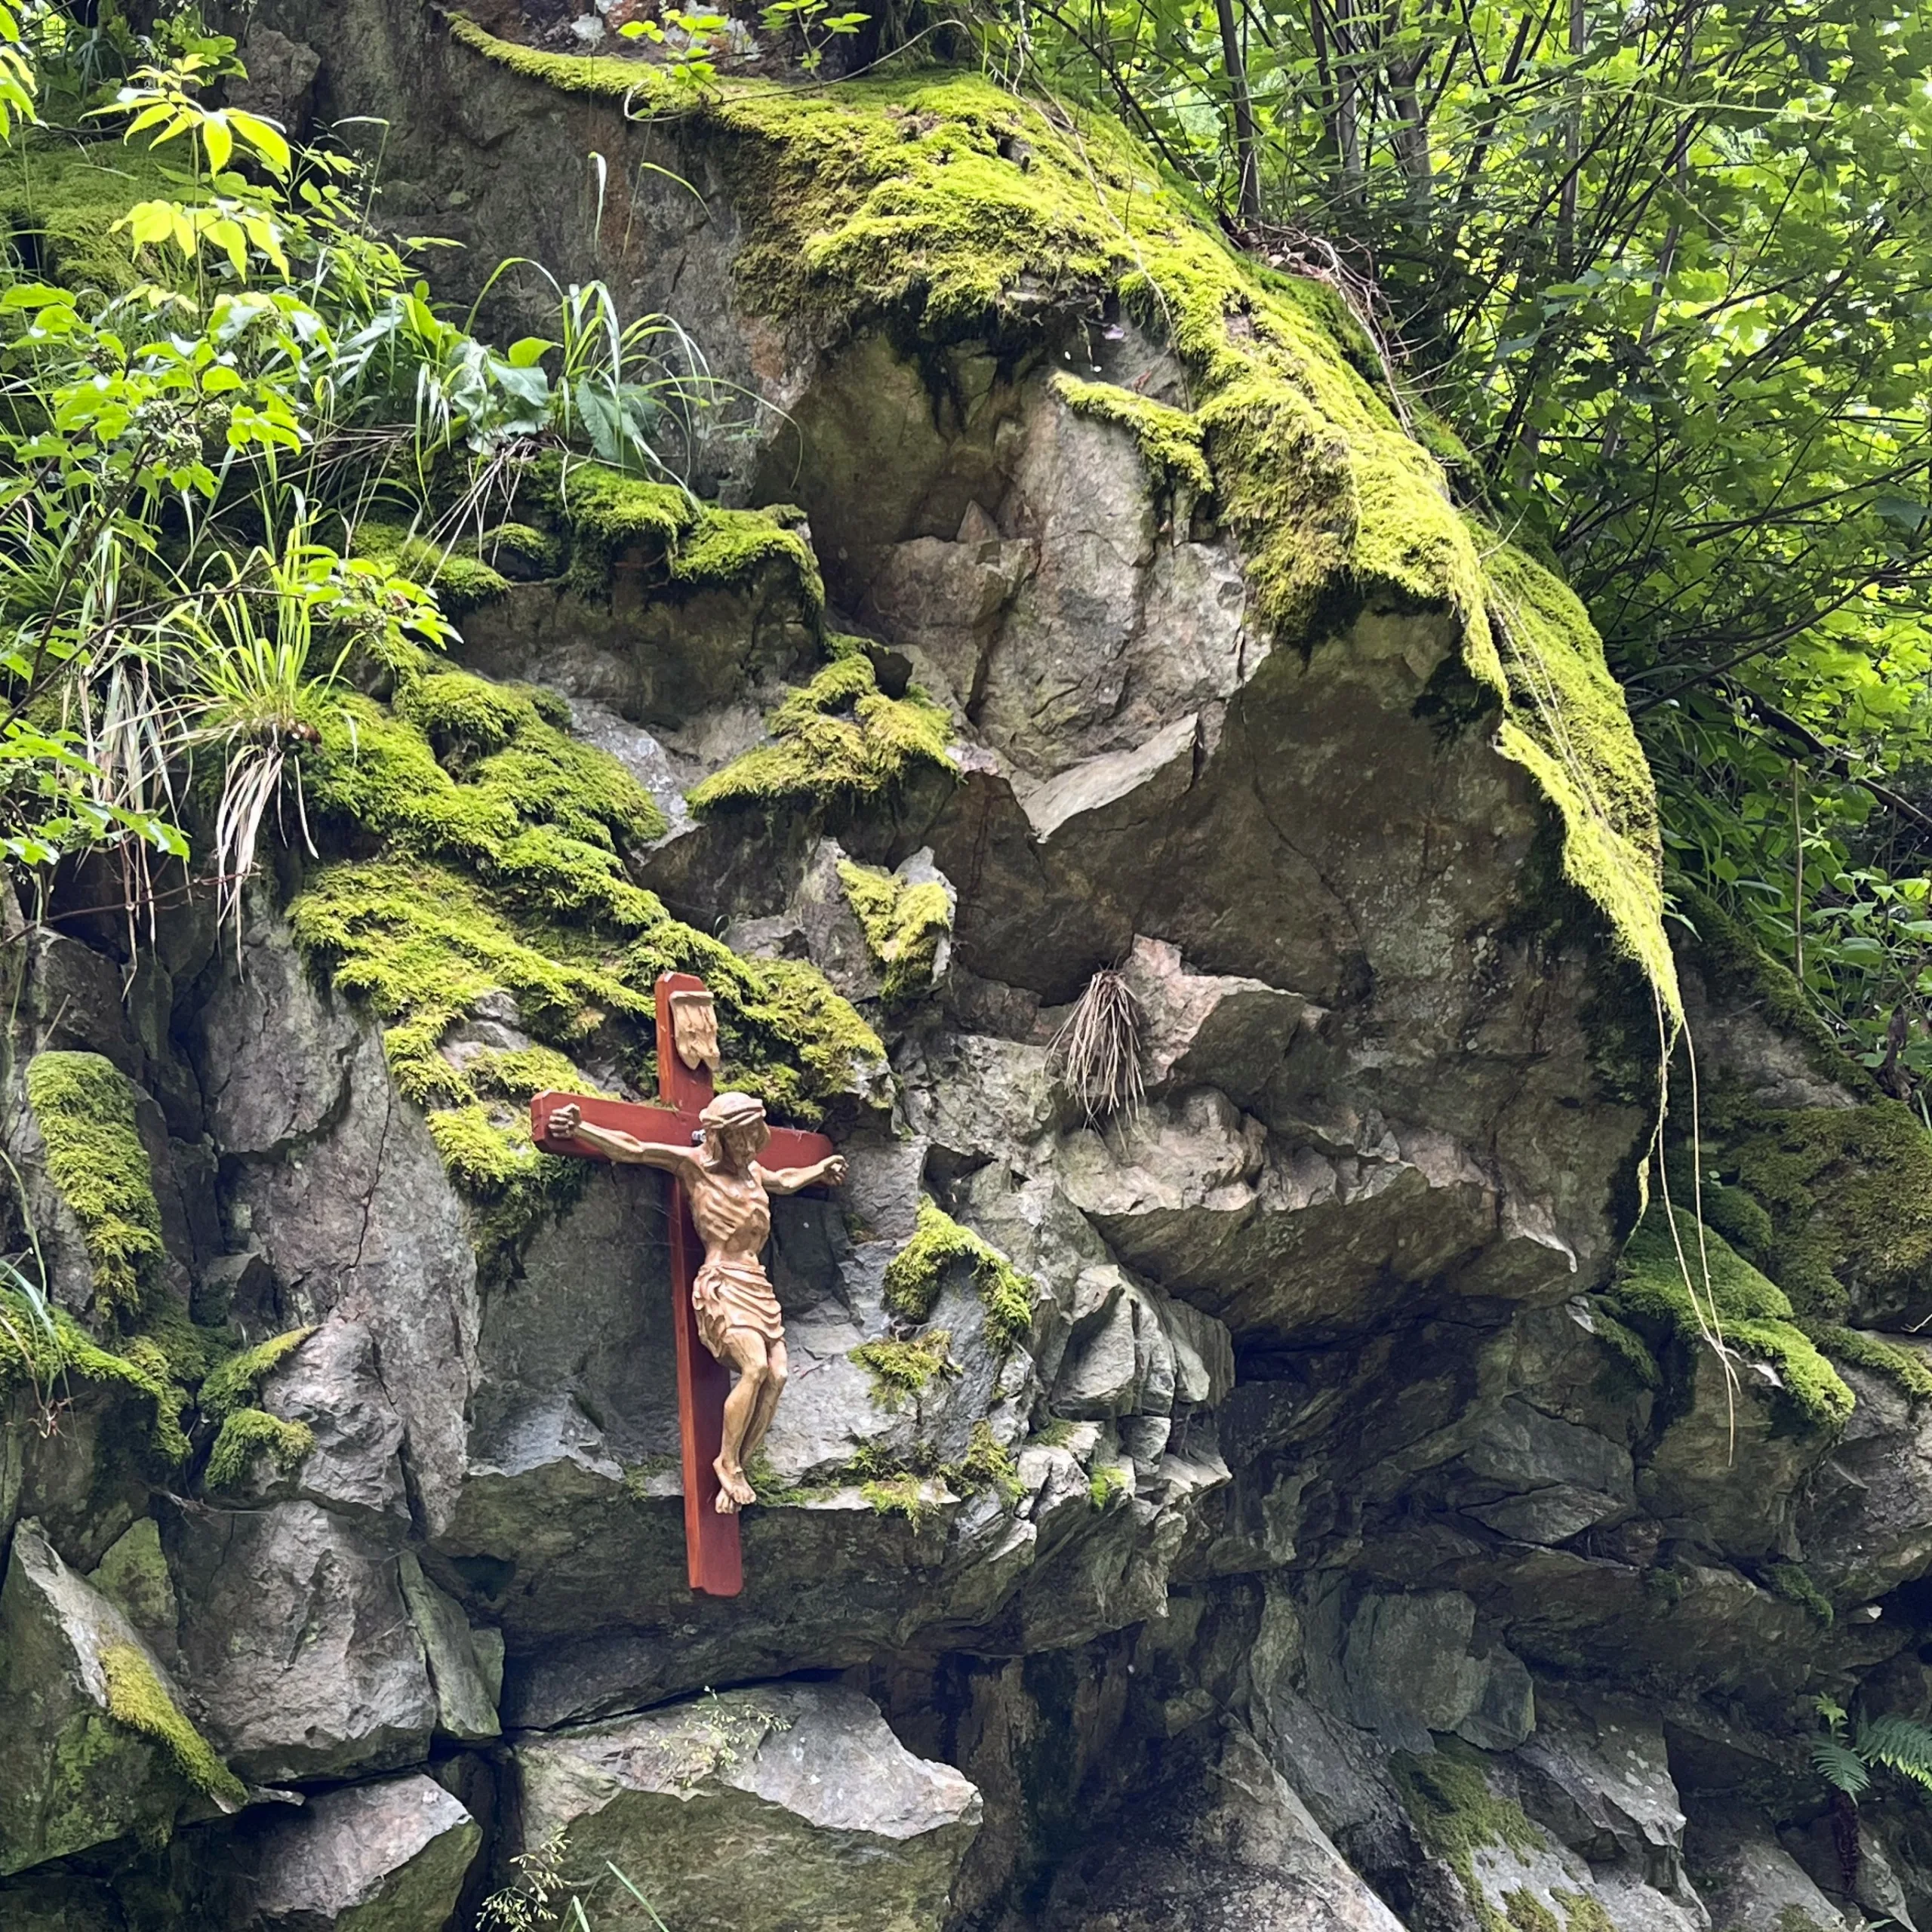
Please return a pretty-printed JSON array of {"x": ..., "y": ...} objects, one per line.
[{"x": 724, "y": 1164}]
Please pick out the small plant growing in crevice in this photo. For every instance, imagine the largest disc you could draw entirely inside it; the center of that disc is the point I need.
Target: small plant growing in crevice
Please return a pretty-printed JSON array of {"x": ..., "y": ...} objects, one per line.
[
  {"x": 1848, "y": 1753},
  {"x": 1096, "y": 1055}
]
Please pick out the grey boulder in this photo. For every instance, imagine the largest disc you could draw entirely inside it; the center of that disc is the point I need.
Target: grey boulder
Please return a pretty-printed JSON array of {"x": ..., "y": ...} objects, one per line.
[
  {"x": 389, "y": 1856},
  {"x": 772, "y": 1807}
]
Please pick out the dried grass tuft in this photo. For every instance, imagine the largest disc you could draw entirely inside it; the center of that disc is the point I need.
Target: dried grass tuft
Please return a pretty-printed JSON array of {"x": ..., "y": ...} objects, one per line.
[{"x": 1096, "y": 1054}]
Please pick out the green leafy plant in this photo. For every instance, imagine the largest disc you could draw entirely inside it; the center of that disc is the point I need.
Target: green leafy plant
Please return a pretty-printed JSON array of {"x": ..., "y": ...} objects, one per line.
[
  {"x": 814, "y": 24},
  {"x": 539, "y": 1896},
  {"x": 1845, "y": 1758},
  {"x": 192, "y": 455},
  {"x": 692, "y": 39},
  {"x": 1848, "y": 1753}
]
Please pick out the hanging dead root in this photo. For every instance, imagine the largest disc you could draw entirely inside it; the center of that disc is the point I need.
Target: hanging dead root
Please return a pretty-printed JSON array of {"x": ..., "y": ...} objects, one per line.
[{"x": 1096, "y": 1056}]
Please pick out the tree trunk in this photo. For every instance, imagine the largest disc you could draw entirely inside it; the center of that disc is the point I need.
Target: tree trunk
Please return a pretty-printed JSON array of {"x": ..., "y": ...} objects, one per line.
[{"x": 1248, "y": 160}]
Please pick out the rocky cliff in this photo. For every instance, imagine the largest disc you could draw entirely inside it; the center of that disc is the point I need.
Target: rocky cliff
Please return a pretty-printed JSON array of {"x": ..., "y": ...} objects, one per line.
[{"x": 1299, "y": 1501}]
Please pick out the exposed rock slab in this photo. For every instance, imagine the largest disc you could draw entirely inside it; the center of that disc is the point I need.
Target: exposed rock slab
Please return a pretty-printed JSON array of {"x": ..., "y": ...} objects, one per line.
[
  {"x": 755, "y": 1810},
  {"x": 297, "y": 1641},
  {"x": 389, "y": 1856}
]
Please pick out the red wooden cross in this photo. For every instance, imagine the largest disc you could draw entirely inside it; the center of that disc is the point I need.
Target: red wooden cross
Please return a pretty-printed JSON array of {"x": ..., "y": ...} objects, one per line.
[{"x": 711, "y": 1540}]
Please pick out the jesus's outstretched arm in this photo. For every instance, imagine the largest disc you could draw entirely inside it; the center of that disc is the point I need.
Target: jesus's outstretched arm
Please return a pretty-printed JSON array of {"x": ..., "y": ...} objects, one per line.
[{"x": 567, "y": 1123}]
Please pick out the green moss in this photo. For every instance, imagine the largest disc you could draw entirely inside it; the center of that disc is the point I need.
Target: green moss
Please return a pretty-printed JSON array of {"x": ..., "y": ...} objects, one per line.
[
  {"x": 137, "y": 1699},
  {"x": 1565, "y": 721},
  {"x": 133, "y": 1576},
  {"x": 1795, "y": 1919},
  {"x": 904, "y": 924},
  {"x": 247, "y": 1433},
  {"x": 85, "y": 1108},
  {"x": 232, "y": 1384},
  {"x": 462, "y": 580},
  {"x": 895, "y": 201},
  {"x": 1527, "y": 1912},
  {"x": 1848, "y": 1193},
  {"x": 1862, "y": 1349},
  {"x": 468, "y": 773},
  {"x": 1456, "y": 1815},
  {"x": 609, "y": 516},
  {"x": 839, "y": 741},
  {"x": 60, "y": 199},
  {"x": 911, "y": 1497},
  {"x": 728, "y": 548},
  {"x": 639, "y": 1476},
  {"x": 499, "y": 868},
  {"x": 1170, "y": 440},
  {"x": 1106, "y": 1483},
  {"x": 1631, "y": 1357},
  {"x": 1737, "y": 1218},
  {"x": 486, "y": 1146},
  {"x": 1754, "y": 1314},
  {"x": 1581, "y": 1912},
  {"x": 1792, "y": 1582},
  {"x": 987, "y": 1464},
  {"x": 915, "y": 1486},
  {"x": 637, "y": 84},
  {"x": 915, "y": 1276},
  {"x": 901, "y": 1370},
  {"x": 44, "y": 1349},
  {"x": 613, "y": 518}
]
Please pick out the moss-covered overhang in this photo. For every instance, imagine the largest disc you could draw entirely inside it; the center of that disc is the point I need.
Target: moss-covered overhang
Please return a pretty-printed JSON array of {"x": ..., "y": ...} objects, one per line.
[{"x": 941, "y": 209}]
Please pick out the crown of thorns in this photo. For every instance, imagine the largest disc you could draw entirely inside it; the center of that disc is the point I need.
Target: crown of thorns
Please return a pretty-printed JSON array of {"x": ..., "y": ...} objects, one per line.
[{"x": 732, "y": 1110}]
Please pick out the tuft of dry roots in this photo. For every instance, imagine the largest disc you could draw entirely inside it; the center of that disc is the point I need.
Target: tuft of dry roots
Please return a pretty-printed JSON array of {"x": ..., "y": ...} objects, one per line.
[{"x": 1096, "y": 1054}]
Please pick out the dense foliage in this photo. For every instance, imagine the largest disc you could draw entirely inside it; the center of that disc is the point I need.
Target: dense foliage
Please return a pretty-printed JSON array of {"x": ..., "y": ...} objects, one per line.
[
  {"x": 1663, "y": 267},
  {"x": 236, "y": 450}
]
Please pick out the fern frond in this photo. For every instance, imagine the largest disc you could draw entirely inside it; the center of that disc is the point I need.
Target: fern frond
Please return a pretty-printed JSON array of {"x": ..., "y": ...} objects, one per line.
[
  {"x": 1841, "y": 1766},
  {"x": 1900, "y": 1744}
]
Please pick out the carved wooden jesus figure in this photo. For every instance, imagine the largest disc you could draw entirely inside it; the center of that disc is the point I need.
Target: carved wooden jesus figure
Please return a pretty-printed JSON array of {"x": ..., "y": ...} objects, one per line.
[{"x": 738, "y": 1317}]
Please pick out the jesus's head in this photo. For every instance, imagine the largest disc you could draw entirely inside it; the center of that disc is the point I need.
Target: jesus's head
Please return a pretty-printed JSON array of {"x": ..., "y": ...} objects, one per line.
[{"x": 734, "y": 1129}]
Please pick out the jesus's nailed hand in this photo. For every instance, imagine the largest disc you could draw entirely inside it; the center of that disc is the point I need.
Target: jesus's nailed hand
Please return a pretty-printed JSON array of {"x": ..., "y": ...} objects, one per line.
[{"x": 563, "y": 1123}]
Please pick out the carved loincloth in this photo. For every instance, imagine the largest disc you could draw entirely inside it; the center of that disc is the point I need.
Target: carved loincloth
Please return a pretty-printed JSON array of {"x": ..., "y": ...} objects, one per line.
[{"x": 735, "y": 1294}]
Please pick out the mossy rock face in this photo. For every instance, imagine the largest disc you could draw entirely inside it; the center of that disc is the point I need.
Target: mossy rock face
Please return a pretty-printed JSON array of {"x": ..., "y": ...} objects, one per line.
[
  {"x": 1739, "y": 1432},
  {"x": 637, "y": 595},
  {"x": 500, "y": 878},
  {"x": 1845, "y": 1197},
  {"x": 84, "y": 1107},
  {"x": 61, "y": 194},
  {"x": 903, "y": 205}
]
